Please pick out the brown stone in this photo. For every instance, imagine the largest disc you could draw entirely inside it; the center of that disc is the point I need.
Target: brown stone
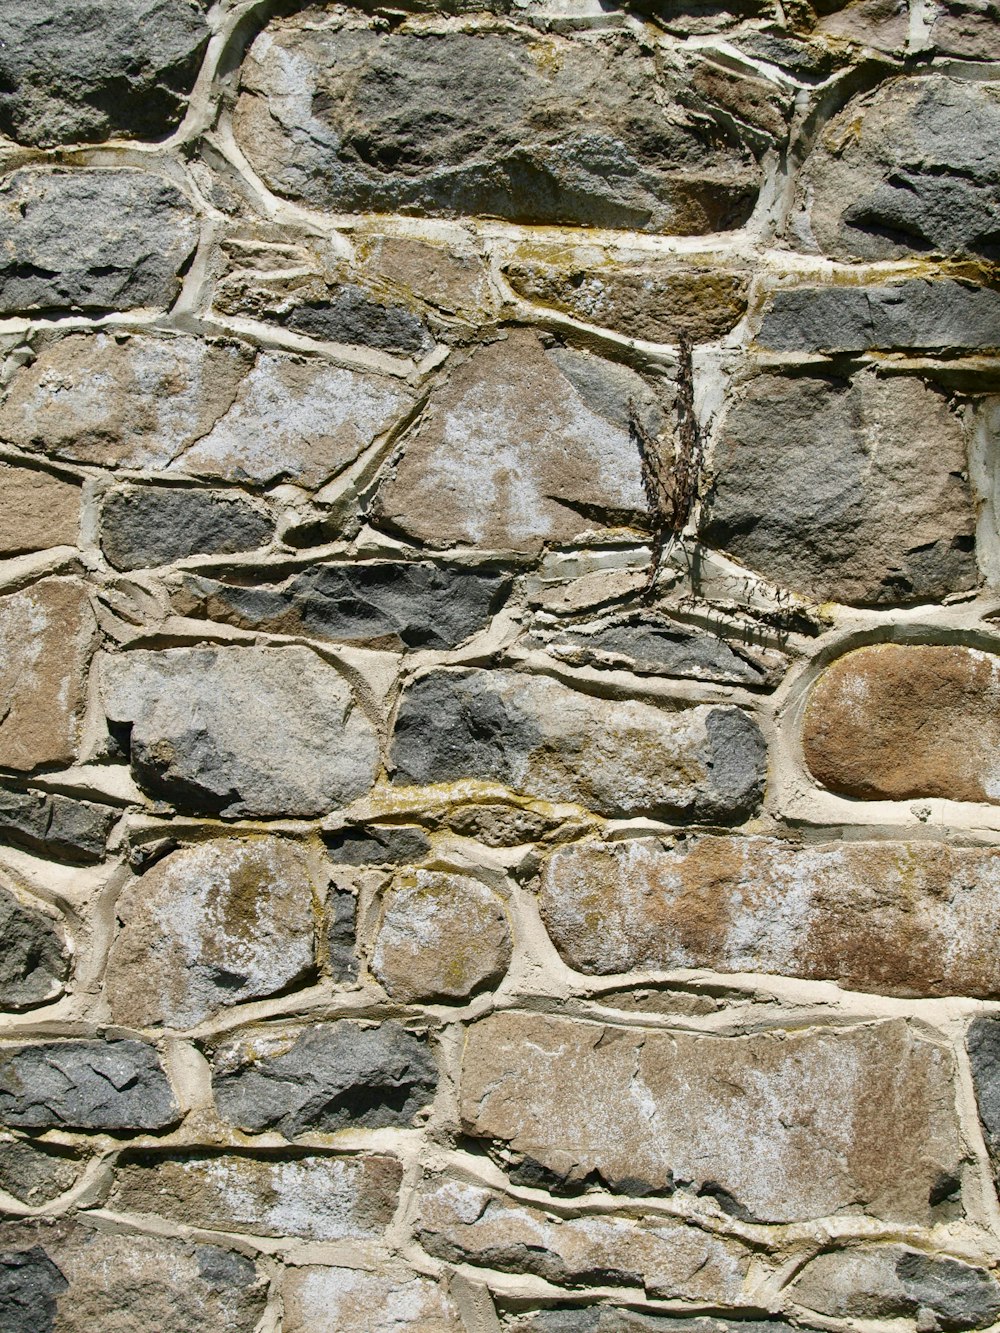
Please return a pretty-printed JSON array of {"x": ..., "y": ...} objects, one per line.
[
  {"x": 37, "y": 510},
  {"x": 448, "y": 278},
  {"x": 785, "y": 1125},
  {"x": 892, "y": 721},
  {"x": 352, "y": 1300},
  {"x": 441, "y": 936},
  {"x": 900, "y": 918},
  {"x": 47, "y": 636}
]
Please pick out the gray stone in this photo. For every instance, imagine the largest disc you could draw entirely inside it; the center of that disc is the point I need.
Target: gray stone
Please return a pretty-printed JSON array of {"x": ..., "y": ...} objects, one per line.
[
  {"x": 241, "y": 731},
  {"x": 131, "y": 234},
  {"x": 499, "y": 123},
  {"x": 845, "y": 490},
  {"x": 341, "y": 934},
  {"x": 334, "y": 1299},
  {"x": 33, "y": 959},
  {"x": 29, "y": 1285},
  {"x": 350, "y": 315},
  {"x": 153, "y": 525},
  {"x": 56, "y": 825},
  {"x": 387, "y": 603},
  {"x": 913, "y": 167},
  {"x": 387, "y": 844},
  {"x": 984, "y": 1055},
  {"x": 969, "y": 28},
  {"x": 111, "y": 1085},
  {"x": 612, "y": 1319},
  {"x": 87, "y": 70},
  {"x": 546, "y": 740},
  {"x": 34, "y": 1173},
  {"x": 324, "y": 1078}
]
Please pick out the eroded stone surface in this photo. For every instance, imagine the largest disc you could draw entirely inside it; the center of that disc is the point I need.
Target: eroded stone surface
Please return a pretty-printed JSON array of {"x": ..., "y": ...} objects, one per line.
[
  {"x": 984, "y": 1056},
  {"x": 351, "y": 1300},
  {"x": 34, "y": 1173},
  {"x": 847, "y": 490},
  {"x": 969, "y": 28},
  {"x": 56, "y": 825},
  {"x": 33, "y": 958},
  {"x": 441, "y": 936},
  {"x": 154, "y": 525},
  {"x": 902, "y": 918},
  {"x": 212, "y": 925},
  {"x": 542, "y": 738},
  {"x": 894, "y": 721},
  {"x": 612, "y": 1319},
  {"x": 37, "y": 510},
  {"x": 379, "y": 845},
  {"x": 241, "y": 731},
  {"x": 783, "y": 1126}
]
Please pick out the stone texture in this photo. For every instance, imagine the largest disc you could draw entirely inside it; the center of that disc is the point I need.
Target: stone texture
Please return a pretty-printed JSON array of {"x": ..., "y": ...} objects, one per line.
[
  {"x": 542, "y": 738},
  {"x": 213, "y": 925},
  {"x": 47, "y": 635},
  {"x": 499, "y": 123},
  {"x": 33, "y": 959},
  {"x": 968, "y": 28},
  {"x": 780, "y": 1126},
  {"x": 154, "y": 525},
  {"x": 911, "y": 168},
  {"x": 984, "y": 1056},
  {"x": 881, "y": 25},
  {"x": 894, "y": 721},
  {"x": 558, "y": 461},
  {"x": 611, "y": 1319},
  {"x": 241, "y": 731},
  {"x": 465, "y": 1223},
  {"x": 107, "y": 1085},
  {"x": 440, "y": 937},
  {"x": 900, "y": 918},
  {"x": 846, "y": 490},
  {"x": 315, "y": 1198},
  {"x": 351, "y": 1300},
  {"x": 37, "y": 511},
  {"x": 29, "y": 1284},
  {"x": 56, "y": 825},
  {"x": 34, "y": 1173},
  {"x": 324, "y": 1078},
  {"x": 93, "y": 71},
  {"x": 132, "y": 233},
  {"x": 379, "y": 845},
  {"x": 391, "y": 604},
  {"x": 341, "y": 933}
]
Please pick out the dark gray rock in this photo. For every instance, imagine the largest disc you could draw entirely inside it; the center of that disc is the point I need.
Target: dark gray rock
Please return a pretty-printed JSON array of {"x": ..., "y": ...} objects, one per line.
[
  {"x": 111, "y": 1085},
  {"x": 86, "y": 70},
  {"x": 33, "y": 960},
  {"x": 57, "y": 825},
  {"x": 335, "y": 1076},
  {"x": 399, "y": 604},
  {"x": 29, "y": 1285},
  {"x": 807, "y": 60},
  {"x": 152, "y": 525},
  {"x": 968, "y": 28},
  {"x": 984, "y": 1056},
  {"x": 91, "y": 239},
  {"x": 961, "y": 1297},
  {"x": 36, "y": 1173},
  {"x": 390, "y": 844},
  {"x": 351, "y": 316},
  {"x": 341, "y": 932},
  {"x": 615, "y": 1319},
  {"x": 918, "y": 313}
]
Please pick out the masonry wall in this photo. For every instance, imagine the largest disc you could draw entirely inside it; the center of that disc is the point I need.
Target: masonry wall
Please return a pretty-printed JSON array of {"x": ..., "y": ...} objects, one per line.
[{"x": 500, "y": 712}]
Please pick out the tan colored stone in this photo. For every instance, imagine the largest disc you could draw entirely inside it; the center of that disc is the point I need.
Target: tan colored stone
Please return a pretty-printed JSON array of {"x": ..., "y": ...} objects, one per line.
[
  {"x": 893, "y": 721},
  {"x": 900, "y": 918},
  {"x": 441, "y": 936},
  {"x": 210, "y": 926},
  {"x": 350, "y": 1300},
  {"x": 47, "y": 636},
  {"x": 788, "y": 1126},
  {"x": 37, "y": 510},
  {"x": 451, "y": 279}
]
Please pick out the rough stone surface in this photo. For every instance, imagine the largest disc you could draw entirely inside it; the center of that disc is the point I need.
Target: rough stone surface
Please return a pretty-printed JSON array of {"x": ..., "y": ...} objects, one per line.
[
  {"x": 351, "y": 1300},
  {"x": 47, "y": 636},
  {"x": 542, "y": 738},
  {"x": 782, "y": 1126},
  {"x": 33, "y": 959},
  {"x": 325, "y": 1078},
  {"x": 73, "y": 71},
  {"x": 894, "y": 721},
  {"x": 132, "y": 234},
  {"x": 386, "y": 603},
  {"x": 35, "y": 1174},
  {"x": 901, "y": 918},
  {"x": 241, "y": 731},
  {"x": 441, "y": 937},
  {"x": 67, "y": 829},
  {"x": 153, "y": 525},
  {"x": 209, "y": 926},
  {"x": 968, "y": 28},
  {"x": 110, "y": 1085},
  {"x": 316, "y": 1198},
  {"x": 349, "y": 315},
  {"x": 984, "y": 1056},
  {"x": 559, "y": 461},
  {"x": 37, "y": 511},
  {"x": 29, "y": 1284},
  {"x": 846, "y": 490},
  {"x": 379, "y": 845},
  {"x": 499, "y": 122},
  {"x": 611, "y": 1319}
]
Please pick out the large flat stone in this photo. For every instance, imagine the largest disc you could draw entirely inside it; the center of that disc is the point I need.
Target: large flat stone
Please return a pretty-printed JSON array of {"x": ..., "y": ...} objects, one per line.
[
  {"x": 241, "y": 731},
  {"x": 613, "y": 1319},
  {"x": 781, "y": 1126},
  {"x": 895, "y": 721},
  {"x": 37, "y": 510},
  {"x": 846, "y": 490},
  {"x": 354, "y": 1300},
  {"x": 131, "y": 235},
  {"x": 443, "y": 121},
  {"x": 969, "y": 28},
  {"x": 56, "y": 825},
  {"x": 33, "y": 958},
  {"x": 154, "y": 525},
  {"x": 546, "y": 740}
]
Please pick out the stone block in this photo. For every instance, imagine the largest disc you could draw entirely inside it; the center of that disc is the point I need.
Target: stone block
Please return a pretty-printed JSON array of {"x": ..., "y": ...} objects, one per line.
[
  {"x": 154, "y": 525},
  {"x": 55, "y": 825},
  {"x": 966, "y": 28},
  {"x": 35, "y": 1173},
  {"x": 33, "y": 959},
  {"x": 354, "y": 1300},
  {"x": 37, "y": 511}
]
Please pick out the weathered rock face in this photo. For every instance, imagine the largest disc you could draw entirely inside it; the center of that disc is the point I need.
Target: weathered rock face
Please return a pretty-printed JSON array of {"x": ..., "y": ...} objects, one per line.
[
  {"x": 34, "y": 1174},
  {"x": 785, "y": 1127},
  {"x": 82, "y": 72},
  {"x": 33, "y": 960},
  {"x": 209, "y": 926},
  {"x": 984, "y": 1056},
  {"x": 611, "y": 1319},
  {"x": 440, "y": 937},
  {"x": 37, "y": 511},
  {"x": 901, "y": 918},
  {"x": 391, "y": 845},
  {"x": 894, "y": 721},
  {"x": 447, "y": 122},
  {"x": 316, "y": 1198},
  {"x": 152, "y": 525},
  {"x": 241, "y": 731},
  {"x": 109, "y": 1085},
  {"x": 132, "y": 234},
  {"x": 540, "y": 737},
  {"x": 969, "y": 28},
  {"x": 70, "y": 830},
  {"x": 352, "y": 1300},
  {"x": 846, "y": 490}
]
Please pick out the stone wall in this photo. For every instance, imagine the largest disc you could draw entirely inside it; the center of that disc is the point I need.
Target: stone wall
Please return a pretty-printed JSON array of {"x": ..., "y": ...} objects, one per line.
[{"x": 500, "y": 731}]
